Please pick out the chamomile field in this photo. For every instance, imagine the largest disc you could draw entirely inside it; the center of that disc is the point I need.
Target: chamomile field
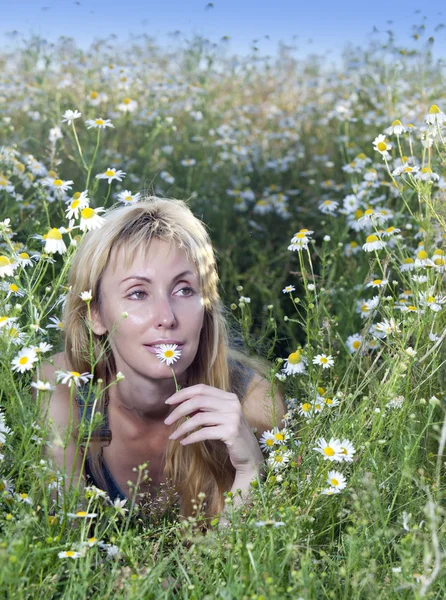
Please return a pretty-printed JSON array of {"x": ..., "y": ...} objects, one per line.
[{"x": 323, "y": 189}]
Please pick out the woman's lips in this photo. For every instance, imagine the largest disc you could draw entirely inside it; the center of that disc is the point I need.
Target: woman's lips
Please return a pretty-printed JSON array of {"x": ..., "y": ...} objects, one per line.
[{"x": 154, "y": 349}]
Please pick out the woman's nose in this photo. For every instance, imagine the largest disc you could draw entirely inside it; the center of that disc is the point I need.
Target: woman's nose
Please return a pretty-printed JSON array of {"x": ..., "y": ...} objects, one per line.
[{"x": 164, "y": 315}]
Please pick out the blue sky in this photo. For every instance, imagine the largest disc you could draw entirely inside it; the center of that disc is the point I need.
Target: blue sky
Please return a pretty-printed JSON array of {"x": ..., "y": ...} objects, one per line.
[{"x": 319, "y": 26}]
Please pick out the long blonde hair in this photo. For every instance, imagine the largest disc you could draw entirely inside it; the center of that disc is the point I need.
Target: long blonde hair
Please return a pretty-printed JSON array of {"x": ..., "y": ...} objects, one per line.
[{"x": 201, "y": 467}]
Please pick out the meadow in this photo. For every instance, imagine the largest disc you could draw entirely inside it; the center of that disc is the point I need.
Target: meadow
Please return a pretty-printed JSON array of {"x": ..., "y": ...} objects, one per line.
[{"x": 323, "y": 188}]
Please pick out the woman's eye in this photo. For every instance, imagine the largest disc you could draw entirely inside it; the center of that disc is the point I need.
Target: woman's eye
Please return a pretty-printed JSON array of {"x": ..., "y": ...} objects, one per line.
[
  {"x": 187, "y": 291},
  {"x": 137, "y": 292}
]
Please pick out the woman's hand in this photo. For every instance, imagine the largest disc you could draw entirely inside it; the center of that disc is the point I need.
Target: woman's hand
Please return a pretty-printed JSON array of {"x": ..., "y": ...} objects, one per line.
[{"x": 220, "y": 416}]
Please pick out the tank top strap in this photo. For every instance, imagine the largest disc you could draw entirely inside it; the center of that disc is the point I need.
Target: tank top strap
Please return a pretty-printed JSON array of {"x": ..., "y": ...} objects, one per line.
[{"x": 86, "y": 403}]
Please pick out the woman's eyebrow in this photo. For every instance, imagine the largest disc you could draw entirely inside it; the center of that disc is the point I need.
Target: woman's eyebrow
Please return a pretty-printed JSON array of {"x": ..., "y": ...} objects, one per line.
[{"x": 142, "y": 278}]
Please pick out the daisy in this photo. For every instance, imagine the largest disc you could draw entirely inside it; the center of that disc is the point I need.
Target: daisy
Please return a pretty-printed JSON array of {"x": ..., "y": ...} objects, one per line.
[
  {"x": 86, "y": 296},
  {"x": 279, "y": 459},
  {"x": 288, "y": 289},
  {"x": 381, "y": 145},
  {"x": 331, "y": 450},
  {"x": 7, "y": 267},
  {"x": 407, "y": 265},
  {"x": 397, "y": 128},
  {"x": 433, "y": 302},
  {"x": 126, "y": 197},
  {"x": 353, "y": 342},
  {"x": 328, "y": 207},
  {"x": 426, "y": 174},
  {"x": 24, "y": 360},
  {"x": 128, "y": 105},
  {"x": 267, "y": 441},
  {"x": 54, "y": 242},
  {"x": 331, "y": 402},
  {"x": 324, "y": 360},
  {"x": 90, "y": 218},
  {"x": 43, "y": 347},
  {"x": 167, "y": 177},
  {"x": 295, "y": 364},
  {"x": 330, "y": 491},
  {"x": 58, "y": 185},
  {"x": 306, "y": 410},
  {"x": 25, "y": 260},
  {"x": 111, "y": 175},
  {"x": 188, "y": 162},
  {"x": 43, "y": 386},
  {"x": 56, "y": 323},
  {"x": 71, "y": 377},
  {"x": 168, "y": 353},
  {"x": 69, "y": 554},
  {"x": 379, "y": 283},
  {"x": 79, "y": 201},
  {"x": 347, "y": 451},
  {"x": 387, "y": 327},
  {"x": 336, "y": 480},
  {"x": 434, "y": 116},
  {"x": 4, "y": 320},
  {"x": 82, "y": 514},
  {"x": 373, "y": 243},
  {"x": 12, "y": 289},
  {"x": 98, "y": 123},
  {"x": 69, "y": 116},
  {"x": 280, "y": 435}
]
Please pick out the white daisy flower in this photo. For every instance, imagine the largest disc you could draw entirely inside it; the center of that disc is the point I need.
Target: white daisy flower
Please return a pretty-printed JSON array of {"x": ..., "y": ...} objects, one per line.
[
  {"x": 56, "y": 323},
  {"x": 324, "y": 360},
  {"x": 86, "y": 296},
  {"x": 168, "y": 353},
  {"x": 7, "y": 266},
  {"x": 70, "y": 377},
  {"x": 267, "y": 441},
  {"x": 336, "y": 480},
  {"x": 435, "y": 116},
  {"x": 43, "y": 386},
  {"x": 331, "y": 450},
  {"x": 381, "y": 145},
  {"x": 167, "y": 177},
  {"x": 434, "y": 302},
  {"x": 373, "y": 243},
  {"x": 82, "y": 514},
  {"x": 24, "y": 360},
  {"x": 91, "y": 219},
  {"x": 288, "y": 289},
  {"x": 397, "y": 128},
  {"x": 347, "y": 450},
  {"x": 279, "y": 459},
  {"x": 295, "y": 364},
  {"x": 111, "y": 174},
  {"x": 56, "y": 184},
  {"x": 69, "y": 554},
  {"x": 128, "y": 105},
  {"x": 70, "y": 115},
  {"x": 330, "y": 491},
  {"x": 78, "y": 202},
  {"x": 126, "y": 197},
  {"x": 188, "y": 162},
  {"x": 98, "y": 123},
  {"x": 379, "y": 283},
  {"x": 387, "y": 327},
  {"x": 306, "y": 410},
  {"x": 353, "y": 343},
  {"x": 54, "y": 242}
]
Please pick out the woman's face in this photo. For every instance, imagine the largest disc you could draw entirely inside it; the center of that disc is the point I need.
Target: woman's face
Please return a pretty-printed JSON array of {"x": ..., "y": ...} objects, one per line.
[{"x": 160, "y": 294}]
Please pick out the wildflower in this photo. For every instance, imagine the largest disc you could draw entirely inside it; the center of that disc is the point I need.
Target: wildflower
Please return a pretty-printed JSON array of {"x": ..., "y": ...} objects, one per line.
[
  {"x": 354, "y": 342},
  {"x": 381, "y": 145},
  {"x": 86, "y": 296},
  {"x": 331, "y": 450},
  {"x": 244, "y": 300},
  {"x": 387, "y": 327},
  {"x": 56, "y": 184},
  {"x": 434, "y": 116},
  {"x": 405, "y": 170},
  {"x": 167, "y": 177},
  {"x": 69, "y": 554},
  {"x": 54, "y": 242},
  {"x": 70, "y": 115},
  {"x": 279, "y": 459},
  {"x": 330, "y": 491},
  {"x": 24, "y": 360},
  {"x": 12, "y": 289},
  {"x": 407, "y": 265},
  {"x": 79, "y": 201},
  {"x": 43, "y": 386},
  {"x": 431, "y": 301},
  {"x": 91, "y": 219},
  {"x": 397, "y": 128},
  {"x": 111, "y": 174},
  {"x": 7, "y": 267},
  {"x": 70, "y": 377},
  {"x": 168, "y": 353},
  {"x": 98, "y": 123},
  {"x": 328, "y": 207},
  {"x": 188, "y": 162},
  {"x": 56, "y": 323},
  {"x": 306, "y": 410},
  {"x": 373, "y": 243},
  {"x": 128, "y": 105},
  {"x": 55, "y": 134},
  {"x": 288, "y": 289},
  {"x": 347, "y": 450},
  {"x": 269, "y": 523},
  {"x": 82, "y": 514},
  {"x": 126, "y": 197},
  {"x": 395, "y": 403},
  {"x": 426, "y": 174},
  {"x": 379, "y": 283},
  {"x": 267, "y": 441},
  {"x": 295, "y": 363},
  {"x": 324, "y": 360},
  {"x": 336, "y": 480}
]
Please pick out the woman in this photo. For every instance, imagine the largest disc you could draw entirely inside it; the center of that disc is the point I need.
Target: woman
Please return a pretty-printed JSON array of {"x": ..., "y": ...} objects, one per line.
[{"x": 153, "y": 281}]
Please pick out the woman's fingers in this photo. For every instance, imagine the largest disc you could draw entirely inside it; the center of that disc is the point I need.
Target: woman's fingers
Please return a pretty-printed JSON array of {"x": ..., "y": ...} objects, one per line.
[
  {"x": 201, "y": 419},
  {"x": 190, "y": 406}
]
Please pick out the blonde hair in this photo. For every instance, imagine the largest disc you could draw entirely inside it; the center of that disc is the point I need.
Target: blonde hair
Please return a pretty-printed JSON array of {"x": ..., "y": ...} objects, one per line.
[{"x": 201, "y": 467}]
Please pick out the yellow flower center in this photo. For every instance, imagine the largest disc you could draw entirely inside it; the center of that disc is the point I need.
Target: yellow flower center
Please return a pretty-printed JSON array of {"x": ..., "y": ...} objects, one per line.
[
  {"x": 13, "y": 332},
  {"x": 377, "y": 281},
  {"x": 422, "y": 255},
  {"x": 412, "y": 308},
  {"x": 75, "y": 204},
  {"x": 294, "y": 358},
  {"x": 81, "y": 513},
  {"x": 128, "y": 198},
  {"x": 23, "y": 496},
  {"x": 75, "y": 374},
  {"x": 408, "y": 169},
  {"x": 396, "y": 122},
  {"x": 306, "y": 407},
  {"x": 3, "y": 180},
  {"x": 434, "y": 110},
  {"x": 99, "y": 121},
  {"x": 329, "y": 451},
  {"x": 426, "y": 170},
  {"x": 57, "y": 182},
  {"x": 368, "y": 212},
  {"x": 353, "y": 244},
  {"x": 93, "y": 95},
  {"x": 300, "y": 236},
  {"x": 438, "y": 252},
  {"x": 279, "y": 436},
  {"x": 14, "y": 287},
  {"x": 87, "y": 213},
  {"x": 356, "y": 344},
  {"x": 3, "y": 319},
  {"x": 334, "y": 482},
  {"x": 4, "y": 261},
  {"x": 361, "y": 156},
  {"x": 69, "y": 553},
  {"x": 431, "y": 299},
  {"x": 323, "y": 360},
  {"x": 23, "y": 360},
  {"x": 168, "y": 353},
  {"x": 439, "y": 262},
  {"x": 371, "y": 238},
  {"x": 54, "y": 234},
  {"x": 328, "y": 401},
  {"x": 24, "y": 255},
  {"x": 382, "y": 146},
  {"x": 408, "y": 261},
  {"x": 269, "y": 442},
  {"x": 110, "y": 172},
  {"x": 321, "y": 390},
  {"x": 390, "y": 229},
  {"x": 127, "y": 100},
  {"x": 358, "y": 213}
]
